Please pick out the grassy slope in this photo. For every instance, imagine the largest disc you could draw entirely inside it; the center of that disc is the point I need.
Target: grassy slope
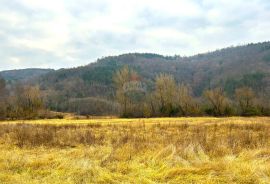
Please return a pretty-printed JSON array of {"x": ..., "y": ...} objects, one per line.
[{"x": 160, "y": 150}]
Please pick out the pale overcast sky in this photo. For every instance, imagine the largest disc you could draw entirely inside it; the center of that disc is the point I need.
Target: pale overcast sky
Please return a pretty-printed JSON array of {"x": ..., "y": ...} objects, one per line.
[{"x": 68, "y": 33}]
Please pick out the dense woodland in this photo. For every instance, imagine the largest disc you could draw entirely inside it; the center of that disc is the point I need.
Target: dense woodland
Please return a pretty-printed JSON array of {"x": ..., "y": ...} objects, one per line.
[{"x": 227, "y": 82}]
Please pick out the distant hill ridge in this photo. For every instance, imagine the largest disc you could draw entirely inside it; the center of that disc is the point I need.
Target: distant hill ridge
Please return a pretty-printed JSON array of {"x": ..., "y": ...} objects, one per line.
[
  {"x": 230, "y": 68},
  {"x": 23, "y": 74},
  {"x": 221, "y": 67}
]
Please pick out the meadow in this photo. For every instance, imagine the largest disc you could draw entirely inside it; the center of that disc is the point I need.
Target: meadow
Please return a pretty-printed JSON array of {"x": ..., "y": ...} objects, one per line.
[{"x": 156, "y": 150}]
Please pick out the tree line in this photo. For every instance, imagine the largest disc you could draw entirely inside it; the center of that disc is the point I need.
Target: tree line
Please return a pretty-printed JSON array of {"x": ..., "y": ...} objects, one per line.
[
  {"x": 20, "y": 101},
  {"x": 171, "y": 99},
  {"x": 135, "y": 97}
]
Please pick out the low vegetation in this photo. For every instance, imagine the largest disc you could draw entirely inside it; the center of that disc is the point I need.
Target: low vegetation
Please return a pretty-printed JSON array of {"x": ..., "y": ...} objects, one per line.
[{"x": 156, "y": 150}]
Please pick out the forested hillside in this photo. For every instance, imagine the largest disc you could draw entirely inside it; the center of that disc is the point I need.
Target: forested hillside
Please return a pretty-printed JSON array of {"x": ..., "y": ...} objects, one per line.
[
  {"x": 23, "y": 74},
  {"x": 90, "y": 89}
]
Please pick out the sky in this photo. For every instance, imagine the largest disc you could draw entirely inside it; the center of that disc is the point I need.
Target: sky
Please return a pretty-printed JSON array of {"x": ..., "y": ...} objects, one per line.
[{"x": 69, "y": 33}]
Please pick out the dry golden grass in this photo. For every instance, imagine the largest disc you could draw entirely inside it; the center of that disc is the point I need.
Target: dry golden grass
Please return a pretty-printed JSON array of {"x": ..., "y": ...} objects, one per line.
[{"x": 158, "y": 150}]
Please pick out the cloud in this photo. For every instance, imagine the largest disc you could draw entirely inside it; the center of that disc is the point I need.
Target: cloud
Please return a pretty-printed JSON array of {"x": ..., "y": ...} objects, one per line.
[{"x": 68, "y": 33}]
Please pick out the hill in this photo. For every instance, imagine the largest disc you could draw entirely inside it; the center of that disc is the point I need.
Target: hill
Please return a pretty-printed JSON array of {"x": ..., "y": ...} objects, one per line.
[
  {"x": 249, "y": 64},
  {"x": 230, "y": 68},
  {"x": 23, "y": 74}
]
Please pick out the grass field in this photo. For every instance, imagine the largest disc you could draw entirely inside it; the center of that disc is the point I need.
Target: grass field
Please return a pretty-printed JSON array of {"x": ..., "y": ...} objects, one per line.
[{"x": 159, "y": 150}]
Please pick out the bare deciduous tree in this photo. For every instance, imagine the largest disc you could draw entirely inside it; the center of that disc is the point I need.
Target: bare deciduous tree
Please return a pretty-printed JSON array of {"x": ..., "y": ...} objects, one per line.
[
  {"x": 165, "y": 93},
  {"x": 3, "y": 94},
  {"x": 28, "y": 101},
  {"x": 185, "y": 101},
  {"x": 217, "y": 100},
  {"x": 246, "y": 98},
  {"x": 121, "y": 79}
]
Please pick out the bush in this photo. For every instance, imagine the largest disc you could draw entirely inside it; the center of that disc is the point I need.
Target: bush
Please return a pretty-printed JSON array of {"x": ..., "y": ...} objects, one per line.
[
  {"x": 265, "y": 111},
  {"x": 229, "y": 111},
  {"x": 169, "y": 110},
  {"x": 251, "y": 111}
]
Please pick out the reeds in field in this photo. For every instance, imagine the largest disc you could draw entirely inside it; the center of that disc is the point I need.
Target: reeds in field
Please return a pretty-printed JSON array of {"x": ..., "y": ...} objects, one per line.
[
  {"x": 232, "y": 138},
  {"x": 153, "y": 151}
]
